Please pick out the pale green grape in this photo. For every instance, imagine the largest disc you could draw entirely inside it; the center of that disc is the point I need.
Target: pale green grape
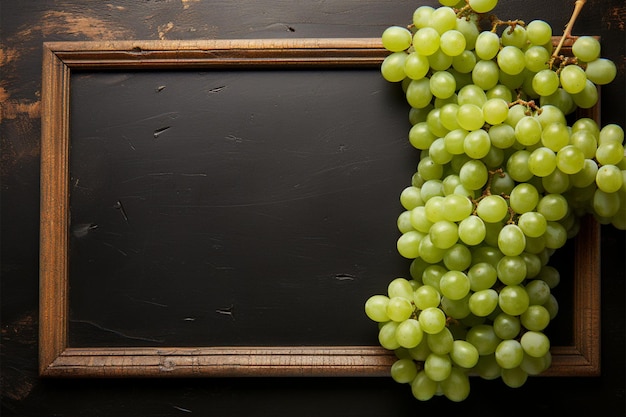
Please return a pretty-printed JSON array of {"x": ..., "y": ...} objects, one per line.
[
  {"x": 509, "y": 354},
  {"x": 454, "y": 141},
  {"x": 535, "y": 366},
  {"x": 443, "y": 19},
  {"x": 514, "y": 36},
  {"x": 404, "y": 222},
  {"x": 535, "y": 343},
  {"x": 483, "y": 302},
  {"x": 421, "y": 16},
  {"x": 457, "y": 207},
  {"x": 484, "y": 339},
  {"x": 400, "y": 287},
  {"x": 477, "y": 142},
  {"x": 495, "y": 111},
  {"x": 416, "y": 66},
  {"x": 472, "y": 230},
  {"x": 528, "y": 130},
  {"x": 399, "y": 308},
  {"x": 502, "y": 135},
  {"x": 609, "y": 152},
  {"x": 440, "y": 343},
  {"x": 588, "y": 97},
  {"x": 438, "y": 153},
  {"x": 487, "y": 45},
  {"x": 536, "y": 58},
  {"x": 470, "y": 30},
  {"x": 542, "y": 161},
  {"x": 538, "y": 32},
  {"x": 570, "y": 159},
  {"x": 511, "y": 60},
  {"x": 487, "y": 367},
  {"x": 447, "y": 115},
  {"x": 586, "y": 48},
  {"x": 434, "y": 208},
  {"x": 454, "y": 285},
  {"x": 611, "y": 133},
  {"x": 426, "y": 41},
  {"x": 532, "y": 223},
  {"x": 545, "y": 82},
  {"x": 442, "y": 84},
  {"x": 376, "y": 308},
  {"x": 420, "y": 135},
  {"x": 403, "y": 371},
  {"x": 601, "y": 71},
  {"x": 513, "y": 300},
  {"x": 538, "y": 292},
  {"x": 511, "y": 270},
  {"x": 470, "y": 117},
  {"x": 458, "y": 257},
  {"x": 418, "y": 93},
  {"x": 452, "y": 42},
  {"x": 485, "y": 74},
  {"x": 464, "y": 354},
  {"x": 514, "y": 377},
  {"x": 419, "y": 220},
  {"x": 492, "y": 208},
  {"x": 408, "y": 244},
  {"x": 482, "y": 276},
  {"x": 556, "y": 235},
  {"x": 426, "y": 296},
  {"x": 409, "y": 333},
  {"x": 443, "y": 233},
  {"x": 396, "y": 38},
  {"x": 586, "y": 176},
  {"x": 423, "y": 388},
  {"x": 573, "y": 79},
  {"x": 464, "y": 62},
  {"x": 432, "y": 320},
  {"x": 434, "y": 123},
  {"x": 429, "y": 252},
  {"x": 387, "y": 335},
  {"x": 472, "y": 94},
  {"x": 473, "y": 174},
  {"x": 555, "y": 136},
  {"x": 483, "y": 6},
  {"x": 553, "y": 207},
  {"x": 429, "y": 169},
  {"x": 437, "y": 367},
  {"x": 439, "y": 61},
  {"x": 411, "y": 197},
  {"x": 392, "y": 68},
  {"x": 507, "y": 326},
  {"x": 609, "y": 178},
  {"x": 535, "y": 318}
]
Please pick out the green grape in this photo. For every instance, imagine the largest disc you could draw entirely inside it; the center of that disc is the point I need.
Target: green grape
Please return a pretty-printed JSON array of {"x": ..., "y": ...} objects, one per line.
[
  {"x": 509, "y": 354},
  {"x": 438, "y": 153},
  {"x": 477, "y": 142},
  {"x": 464, "y": 354},
  {"x": 426, "y": 41},
  {"x": 472, "y": 94},
  {"x": 442, "y": 84},
  {"x": 555, "y": 236},
  {"x": 432, "y": 275},
  {"x": 555, "y": 136},
  {"x": 421, "y": 16},
  {"x": 464, "y": 62},
  {"x": 443, "y": 19},
  {"x": 419, "y": 220},
  {"x": 434, "y": 123},
  {"x": 392, "y": 68},
  {"x": 610, "y": 152},
  {"x": 426, "y": 296},
  {"x": 411, "y": 197},
  {"x": 440, "y": 343},
  {"x": 528, "y": 131},
  {"x": 535, "y": 366},
  {"x": 502, "y": 135},
  {"x": 376, "y": 308},
  {"x": 483, "y": 302},
  {"x": 586, "y": 176},
  {"x": 437, "y": 367},
  {"x": 609, "y": 178},
  {"x": 396, "y": 38},
  {"x": 420, "y": 135},
  {"x": 418, "y": 93},
  {"x": 408, "y": 244},
  {"x": 403, "y": 371},
  {"x": 515, "y": 36},
  {"x": 513, "y": 300},
  {"x": 423, "y": 388},
  {"x": 387, "y": 335},
  {"x": 502, "y": 184},
  {"x": 553, "y": 207},
  {"x": 601, "y": 71},
  {"x": 469, "y": 29},
  {"x": 538, "y": 32},
  {"x": 511, "y": 60},
  {"x": 536, "y": 58},
  {"x": 454, "y": 141},
  {"x": 457, "y": 207},
  {"x": 535, "y": 343},
  {"x": 534, "y": 263},
  {"x": 470, "y": 117},
  {"x": 409, "y": 333},
  {"x": 449, "y": 184},
  {"x": 538, "y": 292},
  {"x": 611, "y": 133},
  {"x": 514, "y": 377},
  {"x": 573, "y": 78},
  {"x": 588, "y": 97},
  {"x": 429, "y": 252},
  {"x": 452, "y": 42},
  {"x": 487, "y": 367},
  {"x": 473, "y": 175},
  {"x": 447, "y": 115},
  {"x": 454, "y": 285},
  {"x": 500, "y": 91},
  {"x": 485, "y": 74},
  {"x": 472, "y": 230},
  {"x": 586, "y": 48},
  {"x": 560, "y": 99},
  {"x": 516, "y": 113},
  {"x": 586, "y": 141},
  {"x": 511, "y": 270},
  {"x": 416, "y": 66},
  {"x": 535, "y": 318},
  {"x": 439, "y": 61},
  {"x": 404, "y": 222},
  {"x": 532, "y": 223},
  {"x": 434, "y": 209},
  {"x": 495, "y": 111},
  {"x": 482, "y": 276},
  {"x": 400, "y": 287},
  {"x": 570, "y": 159},
  {"x": 482, "y": 6},
  {"x": 492, "y": 208},
  {"x": 484, "y": 339},
  {"x": 443, "y": 233},
  {"x": 432, "y": 320},
  {"x": 487, "y": 45},
  {"x": 542, "y": 161},
  {"x": 557, "y": 181},
  {"x": 458, "y": 257},
  {"x": 507, "y": 326},
  {"x": 399, "y": 308},
  {"x": 545, "y": 82},
  {"x": 429, "y": 169}
]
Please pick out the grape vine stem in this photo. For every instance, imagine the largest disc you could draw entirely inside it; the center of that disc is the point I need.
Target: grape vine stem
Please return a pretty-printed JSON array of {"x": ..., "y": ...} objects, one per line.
[{"x": 567, "y": 33}]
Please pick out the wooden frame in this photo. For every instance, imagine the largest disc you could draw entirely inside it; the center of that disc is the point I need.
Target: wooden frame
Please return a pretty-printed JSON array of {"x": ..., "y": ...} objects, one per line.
[{"x": 58, "y": 359}]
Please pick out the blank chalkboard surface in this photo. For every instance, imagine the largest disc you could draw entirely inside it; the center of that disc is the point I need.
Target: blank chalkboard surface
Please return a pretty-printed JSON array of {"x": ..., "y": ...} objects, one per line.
[{"x": 233, "y": 207}]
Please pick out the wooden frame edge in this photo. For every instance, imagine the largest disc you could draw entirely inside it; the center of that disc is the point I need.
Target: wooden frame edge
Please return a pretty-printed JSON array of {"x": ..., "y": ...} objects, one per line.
[{"x": 57, "y": 359}]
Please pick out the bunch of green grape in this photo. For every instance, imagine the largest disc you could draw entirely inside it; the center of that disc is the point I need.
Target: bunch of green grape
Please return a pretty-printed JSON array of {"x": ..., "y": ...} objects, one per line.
[{"x": 505, "y": 174}]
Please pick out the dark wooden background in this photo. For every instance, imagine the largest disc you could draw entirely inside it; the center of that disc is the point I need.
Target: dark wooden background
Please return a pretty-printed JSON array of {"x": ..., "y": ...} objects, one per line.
[{"x": 25, "y": 24}]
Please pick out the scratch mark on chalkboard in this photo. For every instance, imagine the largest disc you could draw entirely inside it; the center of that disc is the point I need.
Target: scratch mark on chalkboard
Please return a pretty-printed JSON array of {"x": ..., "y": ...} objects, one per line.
[
  {"x": 217, "y": 89},
  {"x": 182, "y": 409},
  {"x": 83, "y": 229},
  {"x": 117, "y": 332},
  {"x": 154, "y": 303},
  {"x": 119, "y": 206},
  {"x": 160, "y": 88},
  {"x": 194, "y": 175},
  {"x": 129, "y": 143},
  {"x": 115, "y": 247},
  {"x": 158, "y": 132},
  {"x": 189, "y": 319},
  {"x": 226, "y": 311},
  {"x": 345, "y": 277},
  {"x": 234, "y": 138}
]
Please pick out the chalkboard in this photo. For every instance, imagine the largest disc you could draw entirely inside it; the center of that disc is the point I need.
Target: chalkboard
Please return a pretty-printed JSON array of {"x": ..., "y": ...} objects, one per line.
[{"x": 226, "y": 208}]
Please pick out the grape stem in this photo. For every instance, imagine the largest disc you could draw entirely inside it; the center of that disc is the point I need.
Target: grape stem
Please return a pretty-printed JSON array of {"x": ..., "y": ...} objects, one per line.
[
  {"x": 567, "y": 33},
  {"x": 495, "y": 22}
]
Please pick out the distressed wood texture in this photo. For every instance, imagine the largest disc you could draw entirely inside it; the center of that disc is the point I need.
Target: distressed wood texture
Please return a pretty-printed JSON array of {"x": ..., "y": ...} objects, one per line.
[{"x": 58, "y": 359}]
